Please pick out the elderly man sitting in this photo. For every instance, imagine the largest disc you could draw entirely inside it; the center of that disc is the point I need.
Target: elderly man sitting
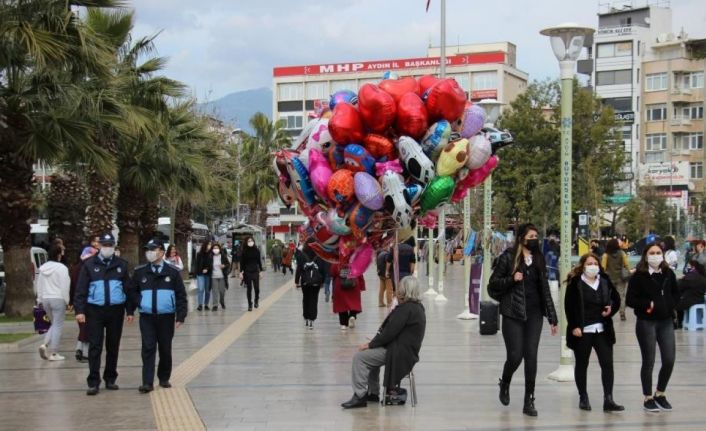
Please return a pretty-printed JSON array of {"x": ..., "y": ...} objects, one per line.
[{"x": 396, "y": 346}]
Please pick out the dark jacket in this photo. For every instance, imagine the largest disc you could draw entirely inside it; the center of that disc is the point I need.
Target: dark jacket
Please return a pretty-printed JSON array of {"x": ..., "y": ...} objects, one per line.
[
  {"x": 692, "y": 288},
  {"x": 401, "y": 333},
  {"x": 321, "y": 265},
  {"x": 250, "y": 260},
  {"x": 574, "y": 308},
  {"x": 154, "y": 293},
  {"x": 204, "y": 261},
  {"x": 511, "y": 295},
  {"x": 101, "y": 284},
  {"x": 642, "y": 288}
]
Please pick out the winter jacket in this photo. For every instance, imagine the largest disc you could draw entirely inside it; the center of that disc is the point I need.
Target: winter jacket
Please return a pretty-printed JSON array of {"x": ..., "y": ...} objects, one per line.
[
  {"x": 511, "y": 294},
  {"x": 692, "y": 288},
  {"x": 158, "y": 293},
  {"x": 250, "y": 260},
  {"x": 102, "y": 283},
  {"x": 661, "y": 289},
  {"x": 401, "y": 334},
  {"x": 574, "y": 308},
  {"x": 204, "y": 261},
  {"x": 53, "y": 282}
]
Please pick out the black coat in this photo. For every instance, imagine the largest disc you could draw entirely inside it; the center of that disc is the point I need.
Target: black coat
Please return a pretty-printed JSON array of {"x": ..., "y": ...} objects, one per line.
[
  {"x": 250, "y": 260},
  {"x": 643, "y": 289},
  {"x": 692, "y": 288},
  {"x": 204, "y": 261},
  {"x": 401, "y": 334},
  {"x": 511, "y": 294},
  {"x": 574, "y": 308}
]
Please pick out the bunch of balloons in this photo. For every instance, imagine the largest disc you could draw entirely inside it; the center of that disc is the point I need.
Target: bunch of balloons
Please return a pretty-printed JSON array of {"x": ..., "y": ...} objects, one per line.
[{"x": 381, "y": 159}]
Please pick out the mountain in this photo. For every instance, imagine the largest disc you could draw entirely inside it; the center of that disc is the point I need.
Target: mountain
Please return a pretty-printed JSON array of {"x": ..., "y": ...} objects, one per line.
[{"x": 237, "y": 108}]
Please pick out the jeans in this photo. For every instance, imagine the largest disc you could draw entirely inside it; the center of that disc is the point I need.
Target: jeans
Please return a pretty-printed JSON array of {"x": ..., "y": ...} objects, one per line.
[
  {"x": 203, "y": 282},
  {"x": 522, "y": 342},
  {"x": 310, "y": 302},
  {"x": 327, "y": 286},
  {"x": 649, "y": 334},
  {"x": 55, "y": 309},
  {"x": 604, "y": 351}
]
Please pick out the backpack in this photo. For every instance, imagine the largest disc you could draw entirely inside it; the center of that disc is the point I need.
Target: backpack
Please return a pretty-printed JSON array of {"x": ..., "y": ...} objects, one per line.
[
  {"x": 345, "y": 282},
  {"x": 311, "y": 276}
]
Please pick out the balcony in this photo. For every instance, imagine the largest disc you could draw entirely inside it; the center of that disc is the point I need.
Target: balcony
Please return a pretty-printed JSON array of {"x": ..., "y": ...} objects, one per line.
[{"x": 681, "y": 121}]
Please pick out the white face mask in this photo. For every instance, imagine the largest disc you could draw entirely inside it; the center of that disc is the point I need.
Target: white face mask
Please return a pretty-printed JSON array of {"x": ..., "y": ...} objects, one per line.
[
  {"x": 250, "y": 243},
  {"x": 654, "y": 260},
  {"x": 151, "y": 255},
  {"x": 591, "y": 270},
  {"x": 107, "y": 252},
  {"x": 216, "y": 251}
]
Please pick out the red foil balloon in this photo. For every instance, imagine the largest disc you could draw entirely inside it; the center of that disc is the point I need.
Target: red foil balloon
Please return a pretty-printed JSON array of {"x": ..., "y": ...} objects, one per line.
[
  {"x": 330, "y": 256},
  {"x": 412, "y": 118},
  {"x": 377, "y": 108},
  {"x": 426, "y": 82},
  {"x": 399, "y": 87},
  {"x": 379, "y": 146},
  {"x": 446, "y": 100},
  {"x": 346, "y": 125},
  {"x": 341, "y": 187}
]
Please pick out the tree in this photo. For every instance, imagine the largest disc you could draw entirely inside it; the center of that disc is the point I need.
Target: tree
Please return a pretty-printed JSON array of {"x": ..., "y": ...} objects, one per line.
[
  {"x": 67, "y": 212},
  {"x": 647, "y": 212}
]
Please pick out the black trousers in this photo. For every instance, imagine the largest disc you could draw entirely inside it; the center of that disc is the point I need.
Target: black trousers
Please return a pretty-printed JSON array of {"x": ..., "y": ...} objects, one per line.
[
  {"x": 522, "y": 342},
  {"x": 310, "y": 301},
  {"x": 345, "y": 316},
  {"x": 287, "y": 267},
  {"x": 157, "y": 333},
  {"x": 103, "y": 322},
  {"x": 651, "y": 333},
  {"x": 604, "y": 350},
  {"x": 252, "y": 281}
]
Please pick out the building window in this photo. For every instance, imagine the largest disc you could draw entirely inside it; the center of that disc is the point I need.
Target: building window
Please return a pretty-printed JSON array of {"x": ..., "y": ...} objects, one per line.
[
  {"x": 656, "y": 157},
  {"x": 627, "y": 134},
  {"x": 656, "y": 142},
  {"x": 290, "y": 92},
  {"x": 614, "y": 77},
  {"x": 618, "y": 49},
  {"x": 696, "y": 170},
  {"x": 463, "y": 79},
  {"x": 317, "y": 91},
  {"x": 656, "y": 81},
  {"x": 690, "y": 80},
  {"x": 688, "y": 112},
  {"x": 656, "y": 113},
  {"x": 620, "y": 104},
  {"x": 348, "y": 84},
  {"x": 689, "y": 141},
  {"x": 292, "y": 121},
  {"x": 485, "y": 81}
]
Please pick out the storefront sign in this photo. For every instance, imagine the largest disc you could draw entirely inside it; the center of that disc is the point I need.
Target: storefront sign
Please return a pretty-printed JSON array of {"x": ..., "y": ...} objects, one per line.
[
  {"x": 484, "y": 94},
  {"x": 664, "y": 174}
]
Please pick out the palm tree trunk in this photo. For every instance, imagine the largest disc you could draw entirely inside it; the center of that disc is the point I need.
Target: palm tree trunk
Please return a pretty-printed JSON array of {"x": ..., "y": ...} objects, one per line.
[
  {"x": 67, "y": 212},
  {"x": 182, "y": 232},
  {"x": 101, "y": 207},
  {"x": 128, "y": 220},
  {"x": 148, "y": 223},
  {"x": 15, "y": 211}
]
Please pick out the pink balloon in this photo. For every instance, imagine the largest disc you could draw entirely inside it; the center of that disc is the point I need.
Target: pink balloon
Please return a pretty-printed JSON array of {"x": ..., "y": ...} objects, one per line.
[
  {"x": 360, "y": 260},
  {"x": 474, "y": 178},
  {"x": 320, "y": 172},
  {"x": 368, "y": 191}
]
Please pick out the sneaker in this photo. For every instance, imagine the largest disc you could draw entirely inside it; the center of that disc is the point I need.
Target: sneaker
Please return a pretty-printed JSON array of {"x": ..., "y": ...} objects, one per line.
[
  {"x": 214, "y": 308},
  {"x": 205, "y": 307},
  {"x": 43, "y": 351},
  {"x": 344, "y": 328},
  {"x": 56, "y": 357},
  {"x": 662, "y": 402},
  {"x": 351, "y": 322},
  {"x": 650, "y": 405},
  {"x": 311, "y": 325},
  {"x": 199, "y": 308}
]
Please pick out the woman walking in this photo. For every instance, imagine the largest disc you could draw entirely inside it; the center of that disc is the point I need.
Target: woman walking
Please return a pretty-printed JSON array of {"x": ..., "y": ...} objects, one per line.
[
  {"x": 173, "y": 258},
  {"x": 251, "y": 271},
  {"x": 203, "y": 274},
  {"x": 313, "y": 271},
  {"x": 653, "y": 294},
  {"x": 590, "y": 303},
  {"x": 219, "y": 277},
  {"x": 519, "y": 282},
  {"x": 53, "y": 285},
  {"x": 346, "y": 296},
  {"x": 615, "y": 263}
]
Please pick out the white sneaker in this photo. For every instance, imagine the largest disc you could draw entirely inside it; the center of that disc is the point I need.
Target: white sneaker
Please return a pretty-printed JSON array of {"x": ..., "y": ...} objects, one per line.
[
  {"x": 344, "y": 328},
  {"x": 56, "y": 357},
  {"x": 43, "y": 351},
  {"x": 351, "y": 322},
  {"x": 311, "y": 324}
]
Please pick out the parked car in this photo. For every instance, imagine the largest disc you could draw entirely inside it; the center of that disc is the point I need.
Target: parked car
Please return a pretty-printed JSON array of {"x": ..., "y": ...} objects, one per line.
[{"x": 38, "y": 256}]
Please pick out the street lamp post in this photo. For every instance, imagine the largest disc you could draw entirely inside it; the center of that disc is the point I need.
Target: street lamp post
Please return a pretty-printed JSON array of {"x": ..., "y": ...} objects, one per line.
[
  {"x": 442, "y": 213},
  {"x": 238, "y": 139},
  {"x": 567, "y": 42}
]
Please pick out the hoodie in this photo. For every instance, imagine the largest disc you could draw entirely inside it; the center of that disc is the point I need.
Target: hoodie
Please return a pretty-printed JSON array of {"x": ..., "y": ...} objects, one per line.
[{"x": 53, "y": 281}]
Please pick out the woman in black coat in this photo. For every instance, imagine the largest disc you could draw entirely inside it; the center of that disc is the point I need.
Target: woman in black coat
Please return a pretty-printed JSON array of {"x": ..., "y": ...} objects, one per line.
[
  {"x": 251, "y": 270},
  {"x": 692, "y": 288},
  {"x": 519, "y": 282},
  {"x": 590, "y": 303}
]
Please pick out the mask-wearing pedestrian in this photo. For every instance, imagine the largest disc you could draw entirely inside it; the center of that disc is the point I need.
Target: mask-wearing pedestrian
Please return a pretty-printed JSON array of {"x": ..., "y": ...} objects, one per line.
[
  {"x": 107, "y": 252},
  {"x": 216, "y": 250},
  {"x": 532, "y": 245},
  {"x": 251, "y": 243},
  {"x": 591, "y": 270},
  {"x": 151, "y": 255},
  {"x": 654, "y": 260}
]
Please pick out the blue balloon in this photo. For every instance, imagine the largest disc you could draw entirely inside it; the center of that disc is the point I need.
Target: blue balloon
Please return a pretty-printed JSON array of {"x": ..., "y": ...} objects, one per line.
[
  {"x": 412, "y": 193},
  {"x": 347, "y": 96},
  {"x": 303, "y": 181}
]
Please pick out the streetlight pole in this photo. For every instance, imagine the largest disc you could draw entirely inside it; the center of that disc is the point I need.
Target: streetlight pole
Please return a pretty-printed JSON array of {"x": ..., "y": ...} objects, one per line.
[
  {"x": 567, "y": 43},
  {"x": 442, "y": 214},
  {"x": 238, "y": 139}
]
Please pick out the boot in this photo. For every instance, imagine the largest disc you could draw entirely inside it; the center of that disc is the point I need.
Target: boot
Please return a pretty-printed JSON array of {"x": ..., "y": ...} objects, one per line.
[
  {"x": 504, "y": 392},
  {"x": 584, "y": 404},
  {"x": 528, "y": 408},
  {"x": 610, "y": 406}
]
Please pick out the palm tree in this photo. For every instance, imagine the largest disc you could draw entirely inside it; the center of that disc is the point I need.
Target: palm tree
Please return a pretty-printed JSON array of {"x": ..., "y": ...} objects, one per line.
[
  {"x": 45, "y": 54},
  {"x": 67, "y": 211}
]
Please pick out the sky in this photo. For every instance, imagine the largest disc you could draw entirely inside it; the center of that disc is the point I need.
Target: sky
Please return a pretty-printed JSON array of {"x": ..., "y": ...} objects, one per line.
[{"x": 218, "y": 47}]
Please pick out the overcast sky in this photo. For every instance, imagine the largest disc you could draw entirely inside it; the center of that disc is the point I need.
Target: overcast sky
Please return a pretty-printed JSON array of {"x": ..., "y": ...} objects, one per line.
[{"x": 221, "y": 46}]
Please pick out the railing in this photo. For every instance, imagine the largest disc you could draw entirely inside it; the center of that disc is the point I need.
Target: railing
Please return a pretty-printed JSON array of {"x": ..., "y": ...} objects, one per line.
[
  {"x": 685, "y": 91},
  {"x": 681, "y": 121}
]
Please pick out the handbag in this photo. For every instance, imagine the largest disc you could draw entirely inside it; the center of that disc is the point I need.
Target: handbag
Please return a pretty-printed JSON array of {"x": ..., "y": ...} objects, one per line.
[
  {"x": 345, "y": 282},
  {"x": 41, "y": 320}
]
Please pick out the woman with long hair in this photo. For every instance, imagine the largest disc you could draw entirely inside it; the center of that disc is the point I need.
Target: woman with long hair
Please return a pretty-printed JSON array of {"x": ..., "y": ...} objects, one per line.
[
  {"x": 590, "y": 303},
  {"x": 172, "y": 257},
  {"x": 251, "y": 271},
  {"x": 519, "y": 282},
  {"x": 53, "y": 287},
  {"x": 203, "y": 274},
  {"x": 219, "y": 276},
  {"x": 615, "y": 263},
  {"x": 653, "y": 294}
]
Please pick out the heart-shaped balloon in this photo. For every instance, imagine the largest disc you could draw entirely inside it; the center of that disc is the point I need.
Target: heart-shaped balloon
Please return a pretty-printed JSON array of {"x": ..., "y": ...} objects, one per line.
[
  {"x": 399, "y": 87},
  {"x": 436, "y": 138},
  {"x": 437, "y": 193},
  {"x": 479, "y": 151},
  {"x": 345, "y": 125},
  {"x": 377, "y": 108},
  {"x": 361, "y": 259},
  {"x": 379, "y": 146},
  {"x": 320, "y": 173},
  {"x": 342, "y": 96},
  {"x": 453, "y": 157},
  {"x": 357, "y": 159},
  {"x": 412, "y": 118},
  {"x": 340, "y": 188},
  {"x": 471, "y": 121},
  {"x": 445, "y": 100},
  {"x": 474, "y": 178},
  {"x": 426, "y": 82},
  {"x": 368, "y": 191},
  {"x": 416, "y": 163}
]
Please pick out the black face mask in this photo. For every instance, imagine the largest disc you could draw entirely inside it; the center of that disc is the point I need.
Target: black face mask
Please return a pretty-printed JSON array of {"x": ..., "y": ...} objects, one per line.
[{"x": 532, "y": 245}]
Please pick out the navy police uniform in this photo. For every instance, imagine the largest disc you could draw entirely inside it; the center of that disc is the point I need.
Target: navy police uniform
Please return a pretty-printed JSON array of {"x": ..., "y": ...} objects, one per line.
[
  {"x": 158, "y": 293},
  {"x": 101, "y": 294}
]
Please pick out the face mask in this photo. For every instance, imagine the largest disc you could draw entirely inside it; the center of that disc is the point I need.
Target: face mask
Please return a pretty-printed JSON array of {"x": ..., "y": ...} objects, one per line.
[
  {"x": 250, "y": 243},
  {"x": 151, "y": 255},
  {"x": 591, "y": 270},
  {"x": 654, "y": 260},
  {"x": 532, "y": 244},
  {"x": 107, "y": 252},
  {"x": 216, "y": 251}
]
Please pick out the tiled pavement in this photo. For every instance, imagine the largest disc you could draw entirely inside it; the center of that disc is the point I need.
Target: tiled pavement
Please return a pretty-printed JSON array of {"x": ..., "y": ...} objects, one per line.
[{"x": 279, "y": 375}]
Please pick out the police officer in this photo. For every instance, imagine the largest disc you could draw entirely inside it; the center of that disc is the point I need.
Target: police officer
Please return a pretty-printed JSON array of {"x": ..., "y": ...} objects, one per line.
[
  {"x": 158, "y": 292},
  {"x": 101, "y": 293}
]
